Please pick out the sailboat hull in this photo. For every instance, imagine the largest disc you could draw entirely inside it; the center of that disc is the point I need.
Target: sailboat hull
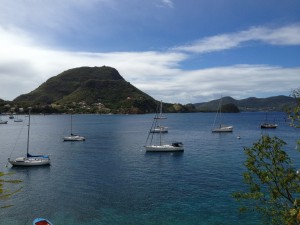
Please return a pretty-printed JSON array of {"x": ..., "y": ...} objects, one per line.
[
  {"x": 223, "y": 129},
  {"x": 32, "y": 161},
  {"x": 268, "y": 126},
  {"x": 175, "y": 147},
  {"x": 159, "y": 129},
  {"x": 74, "y": 138}
]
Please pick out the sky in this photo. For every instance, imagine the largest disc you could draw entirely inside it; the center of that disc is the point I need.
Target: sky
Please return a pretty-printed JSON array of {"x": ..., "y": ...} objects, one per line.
[{"x": 177, "y": 51}]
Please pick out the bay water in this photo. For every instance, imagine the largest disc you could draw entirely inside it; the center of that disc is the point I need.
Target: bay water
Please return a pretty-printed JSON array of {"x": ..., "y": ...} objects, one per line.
[{"x": 110, "y": 179}]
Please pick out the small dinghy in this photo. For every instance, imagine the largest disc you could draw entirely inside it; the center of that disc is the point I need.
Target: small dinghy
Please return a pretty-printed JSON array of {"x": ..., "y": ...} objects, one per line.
[{"x": 41, "y": 221}]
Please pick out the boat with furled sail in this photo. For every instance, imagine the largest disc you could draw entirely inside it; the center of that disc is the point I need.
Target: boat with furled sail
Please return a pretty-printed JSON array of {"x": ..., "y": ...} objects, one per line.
[
  {"x": 73, "y": 137},
  {"x": 30, "y": 160},
  {"x": 160, "y": 147},
  {"x": 221, "y": 128}
]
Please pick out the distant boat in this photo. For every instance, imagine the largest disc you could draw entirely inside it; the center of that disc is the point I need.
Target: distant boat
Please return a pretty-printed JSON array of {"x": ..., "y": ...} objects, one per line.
[
  {"x": 268, "y": 125},
  {"x": 174, "y": 147},
  {"x": 41, "y": 221},
  {"x": 221, "y": 128},
  {"x": 73, "y": 137},
  {"x": 18, "y": 119},
  {"x": 3, "y": 121},
  {"x": 158, "y": 128},
  {"x": 160, "y": 147},
  {"x": 11, "y": 117},
  {"x": 30, "y": 160}
]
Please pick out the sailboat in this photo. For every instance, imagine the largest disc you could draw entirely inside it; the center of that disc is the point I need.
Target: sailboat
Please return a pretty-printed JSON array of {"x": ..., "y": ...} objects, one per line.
[
  {"x": 158, "y": 128},
  {"x": 30, "y": 160},
  {"x": 18, "y": 119},
  {"x": 268, "y": 125},
  {"x": 160, "y": 147},
  {"x": 221, "y": 128},
  {"x": 3, "y": 121},
  {"x": 73, "y": 137}
]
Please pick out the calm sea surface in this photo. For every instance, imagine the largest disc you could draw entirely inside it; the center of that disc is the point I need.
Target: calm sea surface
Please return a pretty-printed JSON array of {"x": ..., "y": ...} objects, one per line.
[{"x": 109, "y": 179}]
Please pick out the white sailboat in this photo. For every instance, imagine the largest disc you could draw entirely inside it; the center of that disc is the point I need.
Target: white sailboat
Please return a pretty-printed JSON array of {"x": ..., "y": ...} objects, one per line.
[
  {"x": 174, "y": 147},
  {"x": 158, "y": 127},
  {"x": 221, "y": 128},
  {"x": 17, "y": 119},
  {"x": 160, "y": 147},
  {"x": 2, "y": 121},
  {"x": 268, "y": 125},
  {"x": 30, "y": 160},
  {"x": 73, "y": 137}
]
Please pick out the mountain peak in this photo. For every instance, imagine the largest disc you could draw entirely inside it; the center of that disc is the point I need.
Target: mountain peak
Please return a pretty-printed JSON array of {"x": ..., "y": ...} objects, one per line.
[
  {"x": 65, "y": 83},
  {"x": 86, "y": 73}
]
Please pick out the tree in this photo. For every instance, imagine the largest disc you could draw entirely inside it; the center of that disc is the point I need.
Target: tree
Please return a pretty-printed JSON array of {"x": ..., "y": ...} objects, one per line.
[
  {"x": 273, "y": 183},
  {"x": 294, "y": 114},
  {"x": 4, "y": 193}
]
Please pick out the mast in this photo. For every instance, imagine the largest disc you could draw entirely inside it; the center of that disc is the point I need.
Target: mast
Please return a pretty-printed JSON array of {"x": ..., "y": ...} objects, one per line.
[
  {"x": 160, "y": 136},
  {"x": 160, "y": 108},
  {"x": 217, "y": 113},
  {"x": 221, "y": 111},
  {"x": 29, "y": 109},
  {"x": 71, "y": 125}
]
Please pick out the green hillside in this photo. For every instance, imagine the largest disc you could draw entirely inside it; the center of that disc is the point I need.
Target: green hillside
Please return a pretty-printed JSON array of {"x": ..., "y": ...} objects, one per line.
[
  {"x": 275, "y": 103},
  {"x": 64, "y": 84},
  {"x": 91, "y": 90}
]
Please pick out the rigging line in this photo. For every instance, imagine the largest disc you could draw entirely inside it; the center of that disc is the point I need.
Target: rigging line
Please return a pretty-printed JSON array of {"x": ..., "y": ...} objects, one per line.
[
  {"x": 152, "y": 126},
  {"x": 65, "y": 129},
  {"x": 218, "y": 109},
  {"x": 18, "y": 137},
  {"x": 149, "y": 133}
]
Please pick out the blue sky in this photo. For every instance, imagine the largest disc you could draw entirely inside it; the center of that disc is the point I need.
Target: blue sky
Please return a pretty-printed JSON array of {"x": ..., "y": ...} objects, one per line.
[{"x": 176, "y": 51}]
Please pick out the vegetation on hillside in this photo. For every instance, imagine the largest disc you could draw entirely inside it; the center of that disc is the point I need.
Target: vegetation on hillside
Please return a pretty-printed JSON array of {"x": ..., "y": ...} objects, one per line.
[
  {"x": 275, "y": 103},
  {"x": 230, "y": 108}
]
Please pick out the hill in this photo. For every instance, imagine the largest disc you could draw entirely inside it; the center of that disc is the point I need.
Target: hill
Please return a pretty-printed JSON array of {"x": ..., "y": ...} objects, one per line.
[
  {"x": 64, "y": 84},
  {"x": 91, "y": 90},
  {"x": 275, "y": 103}
]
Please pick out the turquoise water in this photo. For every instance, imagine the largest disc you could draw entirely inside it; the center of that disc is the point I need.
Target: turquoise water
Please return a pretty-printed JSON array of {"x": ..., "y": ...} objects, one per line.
[{"x": 110, "y": 179}]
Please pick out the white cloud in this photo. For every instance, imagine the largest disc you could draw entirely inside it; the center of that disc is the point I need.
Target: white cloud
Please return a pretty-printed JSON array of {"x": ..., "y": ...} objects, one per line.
[
  {"x": 24, "y": 66},
  {"x": 287, "y": 35},
  {"x": 168, "y": 3},
  {"x": 238, "y": 81}
]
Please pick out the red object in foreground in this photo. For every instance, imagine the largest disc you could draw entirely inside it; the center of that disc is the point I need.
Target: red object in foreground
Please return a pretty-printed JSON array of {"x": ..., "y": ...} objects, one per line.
[{"x": 41, "y": 221}]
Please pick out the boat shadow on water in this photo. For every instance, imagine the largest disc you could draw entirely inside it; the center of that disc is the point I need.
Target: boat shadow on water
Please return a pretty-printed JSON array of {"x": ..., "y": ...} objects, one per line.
[
  {"x": 28, "y": 170},
  {"x": 174, "y": 154}
]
